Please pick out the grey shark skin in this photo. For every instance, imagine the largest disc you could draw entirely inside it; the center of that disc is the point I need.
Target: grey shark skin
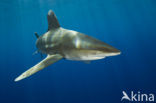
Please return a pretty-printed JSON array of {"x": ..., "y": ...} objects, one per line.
[{"x": 60, "y": 43}]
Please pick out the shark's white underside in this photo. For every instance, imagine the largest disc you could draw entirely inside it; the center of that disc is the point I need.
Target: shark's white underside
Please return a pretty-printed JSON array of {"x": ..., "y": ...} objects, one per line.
[{"x": 89, "y": 56}]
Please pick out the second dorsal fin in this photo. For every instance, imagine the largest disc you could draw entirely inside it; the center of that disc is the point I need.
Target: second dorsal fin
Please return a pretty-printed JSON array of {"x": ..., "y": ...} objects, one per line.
[
  {"x": 52, "y": 20},
  {"x": 36, "y": 34}
]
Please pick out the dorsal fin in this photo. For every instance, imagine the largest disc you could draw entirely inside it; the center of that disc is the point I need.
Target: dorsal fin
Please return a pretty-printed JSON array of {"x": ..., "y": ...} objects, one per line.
[{"x": 52, "y": 20}]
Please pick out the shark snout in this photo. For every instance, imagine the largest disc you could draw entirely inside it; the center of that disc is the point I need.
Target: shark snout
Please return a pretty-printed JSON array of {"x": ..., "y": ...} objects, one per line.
[
  {"x": 114, "y": 50},
  {"x": 110, "y": 51}
]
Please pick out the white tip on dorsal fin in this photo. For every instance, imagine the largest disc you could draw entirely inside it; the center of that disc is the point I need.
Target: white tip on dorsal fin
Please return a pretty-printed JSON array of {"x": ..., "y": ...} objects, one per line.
[
  {"x": 52, "y": 20},
  {"x": 50, "y": 59}
]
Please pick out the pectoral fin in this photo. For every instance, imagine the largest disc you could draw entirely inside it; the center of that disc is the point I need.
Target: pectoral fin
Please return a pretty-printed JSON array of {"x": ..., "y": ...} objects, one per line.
[{"x": 50, "y": 59}]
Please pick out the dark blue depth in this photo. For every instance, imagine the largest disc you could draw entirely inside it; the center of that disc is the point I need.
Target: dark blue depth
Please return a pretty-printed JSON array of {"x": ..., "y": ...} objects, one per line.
[{"x": 129, "y": 25}]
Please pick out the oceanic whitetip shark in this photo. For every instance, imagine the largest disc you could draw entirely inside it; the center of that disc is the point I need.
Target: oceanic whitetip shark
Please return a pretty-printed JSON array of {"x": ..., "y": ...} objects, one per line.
[{"x": 59, "y": 43}]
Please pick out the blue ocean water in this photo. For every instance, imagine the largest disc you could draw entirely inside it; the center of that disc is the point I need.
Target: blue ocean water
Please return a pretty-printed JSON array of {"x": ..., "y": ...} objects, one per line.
[{"x": 129, "y": 25}]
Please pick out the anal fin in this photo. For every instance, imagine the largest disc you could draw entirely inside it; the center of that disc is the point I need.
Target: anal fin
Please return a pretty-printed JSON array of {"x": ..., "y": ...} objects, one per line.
[
  {"x": 50, "y": 59},
  {"x": 87, "y": 61}
]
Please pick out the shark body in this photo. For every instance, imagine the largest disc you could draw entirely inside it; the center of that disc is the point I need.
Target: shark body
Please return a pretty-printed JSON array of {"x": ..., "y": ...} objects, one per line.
[{"x": 60, "y": 43}]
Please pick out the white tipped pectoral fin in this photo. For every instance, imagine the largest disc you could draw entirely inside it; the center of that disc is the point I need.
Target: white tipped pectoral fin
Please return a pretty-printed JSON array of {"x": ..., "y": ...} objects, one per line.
[{"x": 50, "y": 59}]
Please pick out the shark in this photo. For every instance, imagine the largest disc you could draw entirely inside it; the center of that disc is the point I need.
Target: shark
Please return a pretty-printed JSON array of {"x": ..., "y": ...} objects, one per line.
[{"x": 60, "y": 43}]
